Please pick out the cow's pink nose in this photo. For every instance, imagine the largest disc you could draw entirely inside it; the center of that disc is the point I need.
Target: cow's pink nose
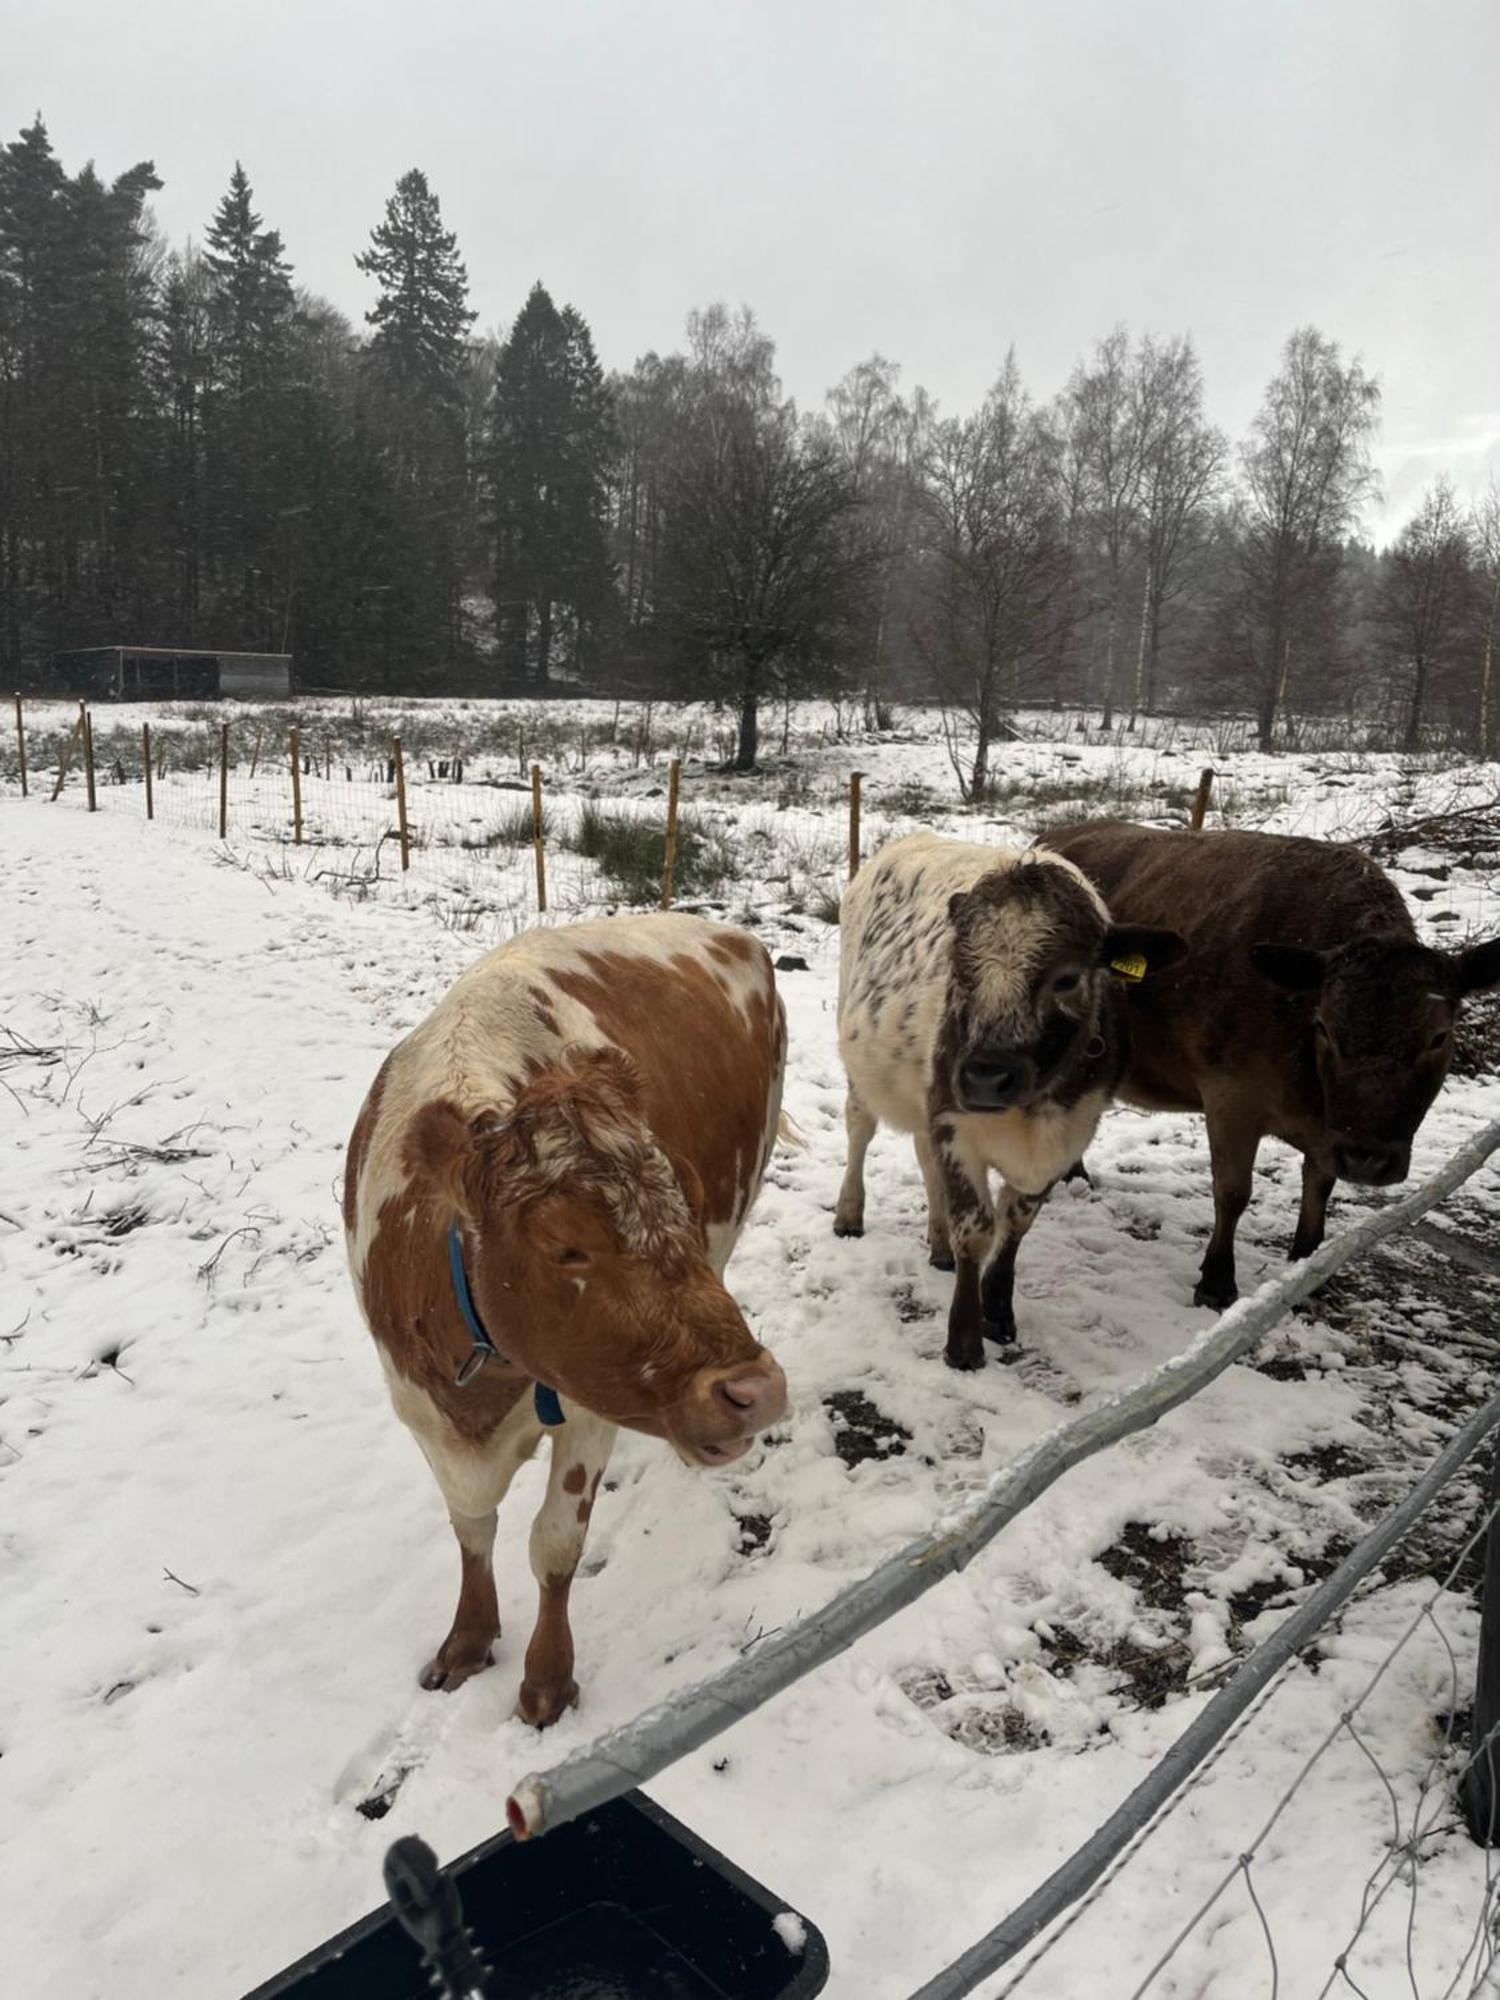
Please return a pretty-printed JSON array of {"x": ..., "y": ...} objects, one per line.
[{"x": 757, "y": 1396}]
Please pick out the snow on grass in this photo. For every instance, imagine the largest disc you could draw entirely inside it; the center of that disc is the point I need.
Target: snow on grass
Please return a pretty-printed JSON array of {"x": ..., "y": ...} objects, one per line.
[{"x": 224, "y": 1561}]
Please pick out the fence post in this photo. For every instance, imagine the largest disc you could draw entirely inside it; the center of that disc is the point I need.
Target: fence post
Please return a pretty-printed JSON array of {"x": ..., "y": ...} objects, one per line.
[
  {"x": 401, "y": 803},
  {"x": 87, "y": 728},
  {"x": 855, "y": 778},
  {"x": 674, "y": 778},
  {"x": 1479, "y": 1792},
  {"x": 21, "y": 742},
  {"x": 1200, "y": 801},
  {"x": 296, "y": 787},
  {"x": 223, "y": 781},
  {"x": 146, "y": 767},
  {"x": 536, "y": 835},
  {"x": 65, "y": 758},
  {"x": 255, "y": 753}
]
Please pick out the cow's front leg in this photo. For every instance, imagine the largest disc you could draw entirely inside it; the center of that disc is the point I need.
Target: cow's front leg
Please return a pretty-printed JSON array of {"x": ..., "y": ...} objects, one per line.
[
  {"x": 971, "y": 1230},
  {"x": 859, "y": 1126},
  {"x": 998, "y": 1288},
  {"x": 580, "y": 1452},
  {"x": 1317, "y": 1186},
  {"x": 939, "y": 1249},
  {"x": 474, "y": 1478},
  {"x": 1233, "y": 1141}
]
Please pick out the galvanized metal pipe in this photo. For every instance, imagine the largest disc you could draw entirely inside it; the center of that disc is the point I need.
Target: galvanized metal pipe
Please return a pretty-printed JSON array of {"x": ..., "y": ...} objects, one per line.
[{"x": 637, "y": 1750}]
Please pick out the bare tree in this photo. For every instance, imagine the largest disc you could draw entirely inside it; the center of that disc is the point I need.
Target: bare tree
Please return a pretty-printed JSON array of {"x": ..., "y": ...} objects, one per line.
[
  {"x": 1307, "y": 469},
  {"x": 1182, "y": 467},
  {"x": 1423, "y": 597},
  {"x": 761, "y": 580},
  {"x": 1485, "y": 540},
  {"x": 996, "y": 562},
  {"x": 1103, "y": 418}
]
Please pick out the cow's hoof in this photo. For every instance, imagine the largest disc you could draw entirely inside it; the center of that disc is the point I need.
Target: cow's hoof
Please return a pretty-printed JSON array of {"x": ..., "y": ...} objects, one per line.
[
  {"x": 541, "y": 1704},
  {"x": 964, "y": 1358},
  {"x": 1001, "y": 1331},
  {"x": 1219, "y": 1293},
  {"x": 942, "y": 1260},
  {"x": 447, "y": 1671},
  {"x": 843, "y": 1228}
]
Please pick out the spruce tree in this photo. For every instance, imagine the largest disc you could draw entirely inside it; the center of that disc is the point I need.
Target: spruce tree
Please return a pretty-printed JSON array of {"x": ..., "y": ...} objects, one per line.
[{"x": 422, "y": 316}]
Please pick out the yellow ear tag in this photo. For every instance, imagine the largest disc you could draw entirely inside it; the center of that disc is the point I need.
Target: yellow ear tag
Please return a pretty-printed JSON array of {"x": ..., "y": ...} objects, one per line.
[{"x": 1134, "y": 967}]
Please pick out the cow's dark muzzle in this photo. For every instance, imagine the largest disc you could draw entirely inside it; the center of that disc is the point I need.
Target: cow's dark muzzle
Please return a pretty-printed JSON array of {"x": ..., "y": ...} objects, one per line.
[
  {"x": 1372, "y": 1166},
  {"x": 995, "y": 1080}
]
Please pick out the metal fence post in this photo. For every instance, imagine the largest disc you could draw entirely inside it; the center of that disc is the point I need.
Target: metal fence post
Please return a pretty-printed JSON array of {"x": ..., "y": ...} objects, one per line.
[
  {"x": 223, "y": 780},
  {"x": 146, "y": 767},
  {"x": 296, "y": 788},
  {"x": 856, "y": 778},
  {"x": 21, "y": 742}
]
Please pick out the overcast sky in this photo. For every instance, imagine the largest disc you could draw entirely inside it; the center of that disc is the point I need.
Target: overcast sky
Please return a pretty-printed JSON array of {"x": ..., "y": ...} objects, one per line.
[{"x": 932, "y": 180}]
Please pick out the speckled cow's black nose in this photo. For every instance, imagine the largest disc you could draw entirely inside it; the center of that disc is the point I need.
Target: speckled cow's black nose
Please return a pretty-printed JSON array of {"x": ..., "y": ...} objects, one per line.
[{"x": 994, "y": 1080}]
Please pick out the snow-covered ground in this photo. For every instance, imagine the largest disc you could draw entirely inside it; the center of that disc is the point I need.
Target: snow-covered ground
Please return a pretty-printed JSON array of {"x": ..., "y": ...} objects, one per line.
[{"x": 222, "y": 1560}]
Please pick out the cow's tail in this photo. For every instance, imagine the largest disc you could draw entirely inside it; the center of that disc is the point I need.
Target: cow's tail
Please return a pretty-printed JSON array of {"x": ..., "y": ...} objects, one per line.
[{"x": 790, "y": 1133}]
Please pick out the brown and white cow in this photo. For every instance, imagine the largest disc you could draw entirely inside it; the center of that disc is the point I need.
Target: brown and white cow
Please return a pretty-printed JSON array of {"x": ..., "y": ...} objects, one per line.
[
  {"x": 592, "y": 1107},
  {"x": 978, "y": 1011},
  {"x": 1309, "y": 1010}
]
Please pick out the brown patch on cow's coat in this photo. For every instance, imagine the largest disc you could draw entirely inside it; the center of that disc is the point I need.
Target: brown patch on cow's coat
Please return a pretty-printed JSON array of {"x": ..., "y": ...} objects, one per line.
[
  {"x": 359, "y": 1143},
  {"x": 574, "y": 1479},
  {"x": 703, "y": 1100}
]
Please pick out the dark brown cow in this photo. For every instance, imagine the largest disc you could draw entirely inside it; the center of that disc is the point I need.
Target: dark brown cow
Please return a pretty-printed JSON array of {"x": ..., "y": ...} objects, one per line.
[
  {"x": 574, "y": 1138},
  {"x": 1307, "y": 1011}
]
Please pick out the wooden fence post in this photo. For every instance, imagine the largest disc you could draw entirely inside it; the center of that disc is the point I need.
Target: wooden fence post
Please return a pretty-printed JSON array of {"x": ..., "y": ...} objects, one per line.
[
  {"x": 674, "y": 777},
  {"x": 65, "y": 758},
  {"x": 21, "y": 742},
  {"x": 401, "y": 803},
  {"x": 855, "y": 778},
  {"x": 296, "y": 787},
  {"x": 146, "y": 767},
  {"x": 255, "y": 753},
  {"x": 223, "y": 781},
  {"x": 536, "y": 835},
  {"x": 1200, "y": 801},
  {"x": 87, "y": 728}
]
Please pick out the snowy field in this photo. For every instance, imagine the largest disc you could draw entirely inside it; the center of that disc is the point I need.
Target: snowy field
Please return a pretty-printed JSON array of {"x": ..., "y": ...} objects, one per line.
[{"x": 222, "y": 1560}]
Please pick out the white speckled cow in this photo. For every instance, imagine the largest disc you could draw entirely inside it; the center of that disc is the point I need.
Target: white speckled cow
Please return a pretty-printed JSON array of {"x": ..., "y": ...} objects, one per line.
[
  {"x": 978, "y": 1010},
  {"x": 541, "y": 1194}
]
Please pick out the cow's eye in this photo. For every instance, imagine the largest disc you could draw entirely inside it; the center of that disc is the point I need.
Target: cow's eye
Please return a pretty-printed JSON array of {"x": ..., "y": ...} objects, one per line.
[
  {"x": 1066, "y": 982},
  {"x": 573, "y": 1257},
  {"x": 1439, "y": 1039}
]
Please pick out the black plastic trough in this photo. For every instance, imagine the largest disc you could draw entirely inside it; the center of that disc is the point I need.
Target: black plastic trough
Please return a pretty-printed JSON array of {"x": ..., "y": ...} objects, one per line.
[{"x": 620, "y": 1905}]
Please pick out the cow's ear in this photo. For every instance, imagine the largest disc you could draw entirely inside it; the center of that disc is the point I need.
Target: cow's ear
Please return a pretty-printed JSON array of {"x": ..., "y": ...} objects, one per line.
[
  {"x": 1293, "y": 967},
  {"x": 446, "y": 1149},
  {"x": 1134, "y": 951},
  {"x": 1478, "y": 968},
  {"x": 958, "y": 902}
]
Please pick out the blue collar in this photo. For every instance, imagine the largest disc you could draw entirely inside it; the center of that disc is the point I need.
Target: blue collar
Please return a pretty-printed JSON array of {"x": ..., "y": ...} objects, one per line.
[{"x": 548, "y": 1408}]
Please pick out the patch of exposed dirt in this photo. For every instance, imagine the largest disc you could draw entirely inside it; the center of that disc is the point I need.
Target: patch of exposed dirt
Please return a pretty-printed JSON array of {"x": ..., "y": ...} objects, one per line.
[
  {"x": 862, "y": 1431},
  {"x": 1150, "y": 1560}
]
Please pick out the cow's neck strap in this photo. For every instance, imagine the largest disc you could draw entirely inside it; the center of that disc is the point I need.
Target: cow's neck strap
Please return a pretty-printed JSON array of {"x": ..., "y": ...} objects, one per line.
[{"x": 548, "y": 1408}]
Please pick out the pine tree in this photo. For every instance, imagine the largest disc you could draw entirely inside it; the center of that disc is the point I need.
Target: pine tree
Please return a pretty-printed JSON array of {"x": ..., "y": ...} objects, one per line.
[
  {"x": 551, "y": 433},
  {"x": 251, "y": 284},
  {"x": 422, "y": 316}
]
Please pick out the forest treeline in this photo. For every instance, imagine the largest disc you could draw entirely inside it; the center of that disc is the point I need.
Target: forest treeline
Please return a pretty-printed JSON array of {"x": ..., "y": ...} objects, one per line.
[{"x": 196, "y": 451}]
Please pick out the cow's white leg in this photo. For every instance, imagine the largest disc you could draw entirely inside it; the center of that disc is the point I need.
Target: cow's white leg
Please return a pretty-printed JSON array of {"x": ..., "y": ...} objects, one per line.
[
  {"x": 474, "y": 1477},
  {"x": 939, "y": 1250},
  {"x": 580, "y": 1452},
  {"x": 859, "y": 1124},
  {"x": 997, "y": 1288}
]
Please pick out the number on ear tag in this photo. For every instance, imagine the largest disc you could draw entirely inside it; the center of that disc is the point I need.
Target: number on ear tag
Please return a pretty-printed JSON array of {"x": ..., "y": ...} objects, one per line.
[{"x": 1134, "y": 967}]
